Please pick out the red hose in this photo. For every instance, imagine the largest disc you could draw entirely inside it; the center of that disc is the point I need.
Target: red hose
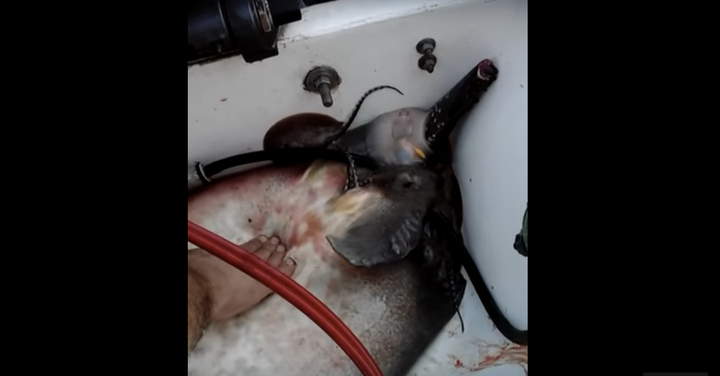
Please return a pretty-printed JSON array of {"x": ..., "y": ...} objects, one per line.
[{"x": 286, "y": 287}]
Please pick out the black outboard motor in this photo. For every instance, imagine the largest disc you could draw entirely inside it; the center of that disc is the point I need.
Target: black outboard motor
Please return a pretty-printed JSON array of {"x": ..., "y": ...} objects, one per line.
[{"x": 220, "y": 28}]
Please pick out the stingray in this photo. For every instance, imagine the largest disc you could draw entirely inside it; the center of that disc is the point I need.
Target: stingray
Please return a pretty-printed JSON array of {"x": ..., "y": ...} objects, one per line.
[
  {"x": 396, "y": 302},
  {"x": 382, "y": 252},
  {"x": 402, "y": 136}
]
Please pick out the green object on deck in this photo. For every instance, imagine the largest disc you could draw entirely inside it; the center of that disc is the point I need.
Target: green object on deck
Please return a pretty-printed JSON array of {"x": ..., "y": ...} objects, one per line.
[{"x": 521, "y": 239}]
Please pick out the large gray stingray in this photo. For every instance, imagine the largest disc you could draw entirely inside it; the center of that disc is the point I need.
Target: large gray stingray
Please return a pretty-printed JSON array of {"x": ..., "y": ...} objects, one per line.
[
  {"x": 380, "y": 254},
  {"x": 396, "y": 308}
]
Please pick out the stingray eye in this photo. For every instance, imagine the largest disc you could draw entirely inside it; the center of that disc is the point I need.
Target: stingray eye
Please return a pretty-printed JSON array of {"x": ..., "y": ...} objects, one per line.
[{"x": 408, "y": 182}]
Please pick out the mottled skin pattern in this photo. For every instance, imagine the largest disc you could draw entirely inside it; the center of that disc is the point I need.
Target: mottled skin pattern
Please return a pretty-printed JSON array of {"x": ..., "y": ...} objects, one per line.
[{"x": 396, "y": 310}]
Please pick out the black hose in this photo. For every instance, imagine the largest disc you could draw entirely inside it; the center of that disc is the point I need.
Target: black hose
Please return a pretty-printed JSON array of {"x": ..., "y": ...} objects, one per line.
[
  {"x": 291, "y": 155},
  {"x": 510, "y": 332}
]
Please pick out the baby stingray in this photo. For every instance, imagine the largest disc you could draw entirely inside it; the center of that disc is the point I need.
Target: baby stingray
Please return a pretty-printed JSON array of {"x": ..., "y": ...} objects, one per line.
[{"x": 312, "y": 130}]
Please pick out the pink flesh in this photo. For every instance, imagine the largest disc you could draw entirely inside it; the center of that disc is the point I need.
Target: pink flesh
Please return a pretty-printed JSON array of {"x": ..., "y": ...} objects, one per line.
[{"x": 275, "y": 338}]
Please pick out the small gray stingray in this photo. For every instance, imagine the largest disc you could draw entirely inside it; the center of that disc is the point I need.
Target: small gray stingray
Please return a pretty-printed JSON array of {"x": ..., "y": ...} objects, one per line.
[
  {"x": 392, "y": 229},
  {"x": 312, "y": 130}
]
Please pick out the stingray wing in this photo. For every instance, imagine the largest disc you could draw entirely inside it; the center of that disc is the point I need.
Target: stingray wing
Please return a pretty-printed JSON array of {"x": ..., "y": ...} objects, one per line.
[{"x": 383, "y": 234}]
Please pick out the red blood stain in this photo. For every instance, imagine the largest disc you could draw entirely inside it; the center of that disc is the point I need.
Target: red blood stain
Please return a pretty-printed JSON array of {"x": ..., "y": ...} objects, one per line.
[
  {"x": 315, "y": 228},
  {"x": 293, "y": 240},
  {"x": 458, "y": 363},
  {"x": 323, "y": 249},
  {"x": 333, "y": 288},
  {"x": 508, "y": 354},
  {"x": 337, "y": 363},
  {"x": 258, "y": 224}
]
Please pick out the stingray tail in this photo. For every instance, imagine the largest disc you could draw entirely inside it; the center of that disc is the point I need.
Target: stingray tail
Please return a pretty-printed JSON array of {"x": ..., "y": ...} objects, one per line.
[
  {"x": 352, "y": 179},
  {"x": 450, "y": 263},
  {"x": 355, "y": 111},
  {"x": 462, "y": 323},
  {"x": 498, "y": 318}
]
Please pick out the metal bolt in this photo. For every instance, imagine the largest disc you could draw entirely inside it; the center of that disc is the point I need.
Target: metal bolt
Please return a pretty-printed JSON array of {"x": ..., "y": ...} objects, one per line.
[
  {"x": 428, "y": 61},
  {"x": 321, "y": 80},
  {"x": 323, "y": 86},
  {"x": 428, "y": 65}
]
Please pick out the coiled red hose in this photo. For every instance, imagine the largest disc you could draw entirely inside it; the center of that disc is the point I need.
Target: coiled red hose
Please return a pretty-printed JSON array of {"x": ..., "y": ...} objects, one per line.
[{"x": 286, "y": 287}]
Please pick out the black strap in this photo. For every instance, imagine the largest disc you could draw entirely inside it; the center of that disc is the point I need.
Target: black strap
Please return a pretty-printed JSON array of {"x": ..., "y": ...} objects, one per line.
[{"x": 290, "y": 154}]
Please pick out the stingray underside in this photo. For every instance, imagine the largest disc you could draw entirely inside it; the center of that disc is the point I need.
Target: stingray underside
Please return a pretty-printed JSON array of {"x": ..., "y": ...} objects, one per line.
[{"x": 396, "y": 304}]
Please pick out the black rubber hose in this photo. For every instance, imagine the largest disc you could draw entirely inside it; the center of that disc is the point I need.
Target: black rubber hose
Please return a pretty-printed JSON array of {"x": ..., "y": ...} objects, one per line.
[
  {"x": 294, "y": 155},
  {"x": 510, "y": 332}
]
